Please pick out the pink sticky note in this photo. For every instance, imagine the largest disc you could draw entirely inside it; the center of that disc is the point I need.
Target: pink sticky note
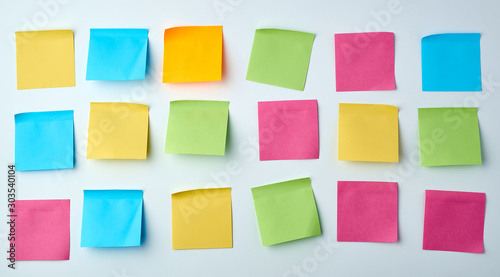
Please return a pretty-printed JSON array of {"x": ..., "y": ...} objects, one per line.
[
  {"x": 288, "y": 130},
  {"x": 364, "y": 61},
  {"x": 367, "y": 211},
  {"x": 454, "y": 221},
  {"x": 42, "y": 230}
]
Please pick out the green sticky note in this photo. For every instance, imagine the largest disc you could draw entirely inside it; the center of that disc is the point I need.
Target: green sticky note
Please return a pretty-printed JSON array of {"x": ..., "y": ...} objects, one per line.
[
  {"x": 449, "y": 136},
  {"x": 280, "y": 58},
  {"x": 197, "y": 127},
  {"x": 286, "y": 211}
]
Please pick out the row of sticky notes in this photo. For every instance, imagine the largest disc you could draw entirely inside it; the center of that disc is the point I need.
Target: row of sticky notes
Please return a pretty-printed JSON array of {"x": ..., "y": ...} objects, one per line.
[
  {"x": 363, "y": 61},
  {"x": 286, "y": 211},
  {"x": 287, "y": 130}
]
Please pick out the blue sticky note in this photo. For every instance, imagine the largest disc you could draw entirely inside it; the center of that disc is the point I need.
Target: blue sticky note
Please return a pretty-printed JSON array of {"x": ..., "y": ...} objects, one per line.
[
  {"x": 44, "y": 140},
  {"x": 451, "y": 62},
  {"x": 117, "y": 54},
  {"x": 112, "y": 218}
]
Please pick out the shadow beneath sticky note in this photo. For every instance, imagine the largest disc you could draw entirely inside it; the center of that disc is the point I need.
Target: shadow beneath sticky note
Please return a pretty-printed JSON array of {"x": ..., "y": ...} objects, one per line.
[
  {"x": 148, "y": 58},
  {"x": 400, "y": 147},
  {"x": 74, "y": 145},
  {"x": 228, "y": 137},
  {"x": 481, "y": 145},
  {"x": 223, "y": 61},
  {"x": 318, "y": 212},
  {"x": 148, "y": 139},
  {"x": 143, "y": 226}
]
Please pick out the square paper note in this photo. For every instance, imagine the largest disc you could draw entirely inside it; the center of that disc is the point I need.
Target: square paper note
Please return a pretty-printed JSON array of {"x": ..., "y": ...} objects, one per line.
[
  {"x": 454, "y": 221},
  {"x": 118, "y": 131},
  {"x": 449, "y": 136},
  {"x": 288, "y": 130},
  {"x": 202, "y": 219},
  {"x": 451, "y": 62},
  {"x": 192, "y": 54},
  {"x": 44, "y": 140},
  {"x": 45, "y": 59},
  {"x": 112, "y": 218},
  {"x": 42, "y": 229},
  {"x": 117, "y": 54},
  {"x": 286, "y": 211},
  {"x": 367, "y": 211},
  {"x": 368, "y": 133},
  {"x": 364, "y": 61},
  {"x": 197, "y": 127},
  {"x": 280, "y": 58}
]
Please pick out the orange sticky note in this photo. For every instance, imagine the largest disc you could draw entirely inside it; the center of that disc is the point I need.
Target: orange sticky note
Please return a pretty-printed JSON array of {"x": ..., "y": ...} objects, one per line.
[{"x": 192, "y": 54}]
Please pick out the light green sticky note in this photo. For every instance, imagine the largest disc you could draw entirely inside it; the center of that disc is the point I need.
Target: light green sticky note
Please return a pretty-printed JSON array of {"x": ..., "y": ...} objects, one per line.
[
  {"x": 197, "y": 127},
  {"x": 286, "y": 211},
  {"x": 449, "y": 136},
  {"x": 280, "y": 58}
]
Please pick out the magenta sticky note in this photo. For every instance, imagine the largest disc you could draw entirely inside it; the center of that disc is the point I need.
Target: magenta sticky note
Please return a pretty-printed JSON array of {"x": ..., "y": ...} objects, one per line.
[
  {"x": 454, "y": 221},
  {"x": 367, "y": 211},
  {"x": 288, "y": 130},
  {"x": 42, "y": 229},
  {"x": 364, "y": 61}
]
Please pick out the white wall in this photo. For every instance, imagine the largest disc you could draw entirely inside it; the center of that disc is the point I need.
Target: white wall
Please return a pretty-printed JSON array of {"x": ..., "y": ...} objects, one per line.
[{"x": 162, "y": 174}]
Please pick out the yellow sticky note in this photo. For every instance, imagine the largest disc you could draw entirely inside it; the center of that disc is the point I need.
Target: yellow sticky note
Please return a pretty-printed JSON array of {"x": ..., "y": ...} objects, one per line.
[
  {"x": 202, "y": 218},
  {"x": 192, "y": 54},
  {"x": 118, "y": 131},
  {"x": 368, "y": 133},
  {"x": 45, "y": 59}
]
